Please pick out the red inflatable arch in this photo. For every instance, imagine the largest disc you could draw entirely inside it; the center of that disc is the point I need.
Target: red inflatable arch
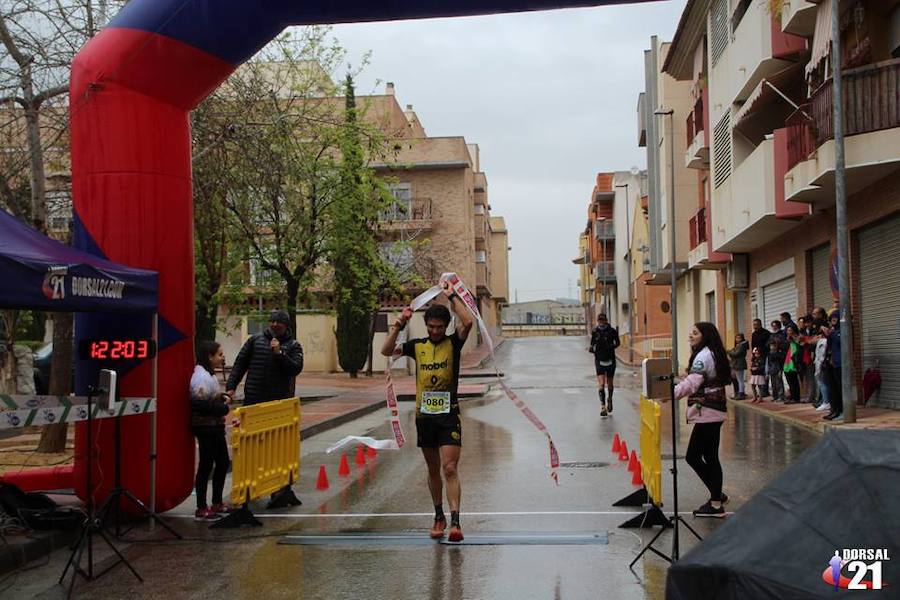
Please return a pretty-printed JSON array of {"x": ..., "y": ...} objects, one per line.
[{"x": 131, "y": 90}]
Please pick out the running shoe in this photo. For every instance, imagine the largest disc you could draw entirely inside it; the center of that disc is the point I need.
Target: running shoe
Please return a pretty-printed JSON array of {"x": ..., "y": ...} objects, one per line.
[
  {"x": 823, "y": 407},
  {"x": 724, "y": 499},
  {"x": 603, "y": 411},
  {"x": 456, "y": 534},
  {"x": 205, "y": 514},
  {"x": 437, "y": 530},
  {"x": 609, "y": 405},
  {"x": 708, "y": 510},
  {"x": 222, "y": 508}
]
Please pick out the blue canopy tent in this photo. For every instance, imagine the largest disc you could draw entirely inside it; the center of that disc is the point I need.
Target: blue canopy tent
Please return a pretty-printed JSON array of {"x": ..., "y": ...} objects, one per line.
[{"x": 39, "y": 273}]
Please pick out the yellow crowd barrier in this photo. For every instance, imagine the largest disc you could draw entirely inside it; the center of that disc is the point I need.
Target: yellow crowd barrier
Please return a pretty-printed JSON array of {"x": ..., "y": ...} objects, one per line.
[
  {"x": 265, "y": 443},
  {"x": 651, "y": 443}
]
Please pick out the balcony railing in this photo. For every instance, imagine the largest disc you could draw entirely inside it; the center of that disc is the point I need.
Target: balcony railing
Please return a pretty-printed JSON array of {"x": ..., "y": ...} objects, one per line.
[
  {"x": 604, "y": 230},
  {"x": 416, "y": 209},
  {"x": 800, "y": 139},
  {"x": 869, "y": 98},
  {"x": 605, "y": 270},
  {"x": 698, "y": 228},
  {"x": 695, "y": 121}
]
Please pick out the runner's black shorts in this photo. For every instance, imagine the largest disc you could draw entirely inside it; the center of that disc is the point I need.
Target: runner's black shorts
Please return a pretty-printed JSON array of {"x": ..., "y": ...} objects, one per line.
[
  {"x": 608, "y": 370},
  {"x": 439, "y": 430}
]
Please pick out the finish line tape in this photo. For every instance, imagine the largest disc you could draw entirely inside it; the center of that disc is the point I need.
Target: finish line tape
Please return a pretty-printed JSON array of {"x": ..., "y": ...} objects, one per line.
[{"x": 391, "y": 397}]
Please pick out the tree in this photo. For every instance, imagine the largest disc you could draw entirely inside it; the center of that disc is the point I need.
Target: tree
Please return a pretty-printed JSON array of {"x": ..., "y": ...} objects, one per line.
[
  {"x": 40, "y": 39},
  {"x": 354, "y": 248}
]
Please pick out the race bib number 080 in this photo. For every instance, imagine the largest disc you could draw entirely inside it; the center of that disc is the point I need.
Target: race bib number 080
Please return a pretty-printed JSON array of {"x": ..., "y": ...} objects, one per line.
[{"x": 435, "y": 403}]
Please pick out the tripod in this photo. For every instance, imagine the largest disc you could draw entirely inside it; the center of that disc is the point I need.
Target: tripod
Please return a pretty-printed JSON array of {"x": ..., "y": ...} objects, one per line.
[
  {"x": 676, "y": 518},
  {"x": 113, "y": 503}
]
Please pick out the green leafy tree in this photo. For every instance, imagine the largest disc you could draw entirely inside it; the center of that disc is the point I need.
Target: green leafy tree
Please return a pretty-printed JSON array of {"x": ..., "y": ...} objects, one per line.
[{"x": 358, "y": 266}]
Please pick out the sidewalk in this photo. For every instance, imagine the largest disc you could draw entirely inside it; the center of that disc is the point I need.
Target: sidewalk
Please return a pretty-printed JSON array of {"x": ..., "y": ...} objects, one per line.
[{"x": 805, "y": 416}]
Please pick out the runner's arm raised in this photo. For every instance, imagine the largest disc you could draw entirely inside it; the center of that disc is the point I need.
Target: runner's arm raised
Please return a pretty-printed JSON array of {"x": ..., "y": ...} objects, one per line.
[
  {"x": 387, "y": 349},
  {"x": 461, "y": 311}
]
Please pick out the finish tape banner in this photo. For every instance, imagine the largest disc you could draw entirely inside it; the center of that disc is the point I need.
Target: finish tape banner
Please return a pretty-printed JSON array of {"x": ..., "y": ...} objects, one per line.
[{"x": 391, "y": 397}]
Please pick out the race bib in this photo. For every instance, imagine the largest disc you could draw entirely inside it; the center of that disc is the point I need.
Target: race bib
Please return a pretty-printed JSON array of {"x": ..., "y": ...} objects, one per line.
[
  {"x": 605, "y": 363},
  {"x": 435, "y": 403}
]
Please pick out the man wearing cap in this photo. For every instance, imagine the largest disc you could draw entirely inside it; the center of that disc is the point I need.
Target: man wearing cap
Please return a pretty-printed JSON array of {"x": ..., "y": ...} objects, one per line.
[
  {"x": 604, "y": 341},
  {"x": 271, "y": 359}
]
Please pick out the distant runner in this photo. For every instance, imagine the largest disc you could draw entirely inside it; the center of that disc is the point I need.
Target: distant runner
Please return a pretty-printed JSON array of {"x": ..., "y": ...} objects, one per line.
[
  {"x": 438, "y": 426},
  {"x": 604, "y": 341}
]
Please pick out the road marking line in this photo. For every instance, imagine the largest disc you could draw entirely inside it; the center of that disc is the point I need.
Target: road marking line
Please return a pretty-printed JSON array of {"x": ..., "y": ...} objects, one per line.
[
  {"x": 623, "y": 513},
  {"x": 570, "y": 391}
]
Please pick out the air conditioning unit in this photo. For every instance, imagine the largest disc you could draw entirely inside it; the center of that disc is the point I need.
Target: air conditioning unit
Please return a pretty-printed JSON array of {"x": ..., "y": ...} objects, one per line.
[{"x": 737, "y": 272}]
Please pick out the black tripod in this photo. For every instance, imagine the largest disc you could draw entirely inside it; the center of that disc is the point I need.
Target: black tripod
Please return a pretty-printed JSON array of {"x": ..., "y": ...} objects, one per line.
[
  {"x": 113, "y": 503},
  {"x": 676, "y": 518},
  {"x": 92, "y": 524}
]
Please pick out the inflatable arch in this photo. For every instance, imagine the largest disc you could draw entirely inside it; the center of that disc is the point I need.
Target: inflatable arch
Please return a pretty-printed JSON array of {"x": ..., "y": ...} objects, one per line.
[{"x": 131, "y": 90}]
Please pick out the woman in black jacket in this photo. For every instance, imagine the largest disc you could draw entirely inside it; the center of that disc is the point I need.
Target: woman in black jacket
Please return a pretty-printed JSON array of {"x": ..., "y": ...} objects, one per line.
[{"x": 208, "y": 409}]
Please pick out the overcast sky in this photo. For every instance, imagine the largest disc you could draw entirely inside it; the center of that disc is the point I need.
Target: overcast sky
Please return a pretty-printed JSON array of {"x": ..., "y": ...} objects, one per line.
[{"x": 549, "y": 97}]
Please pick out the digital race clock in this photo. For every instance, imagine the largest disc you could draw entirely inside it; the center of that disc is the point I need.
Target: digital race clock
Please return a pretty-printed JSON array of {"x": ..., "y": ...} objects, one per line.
[{"x": 112, "y": 349}]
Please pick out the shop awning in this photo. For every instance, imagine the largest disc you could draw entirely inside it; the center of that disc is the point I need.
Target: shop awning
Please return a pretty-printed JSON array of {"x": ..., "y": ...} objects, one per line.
[{"x": 768, "y": 91}]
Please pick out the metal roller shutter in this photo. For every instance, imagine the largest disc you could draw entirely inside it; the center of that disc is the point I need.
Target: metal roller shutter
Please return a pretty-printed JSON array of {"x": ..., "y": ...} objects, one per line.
[
  {"x": 821, "y": 284},
  {"x": 879, "y": 307},
  {"x": 779, "y": 297}
]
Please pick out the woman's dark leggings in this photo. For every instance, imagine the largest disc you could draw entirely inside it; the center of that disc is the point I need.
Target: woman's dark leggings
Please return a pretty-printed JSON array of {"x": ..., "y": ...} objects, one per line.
[
  {"x": 213, "y": 450},
  {"x": 703, "y": 456},
  {"x": 793, "y": 379}
]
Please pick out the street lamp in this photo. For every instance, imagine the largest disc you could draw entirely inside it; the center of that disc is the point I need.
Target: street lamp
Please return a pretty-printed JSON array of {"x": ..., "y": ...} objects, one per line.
[{"x": 628, "y": 284}]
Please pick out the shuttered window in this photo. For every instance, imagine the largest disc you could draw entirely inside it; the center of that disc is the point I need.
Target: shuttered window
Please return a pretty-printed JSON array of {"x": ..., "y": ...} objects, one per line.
[
  {"x": 779, "y": 297},
  {"x": 722, "y": 150},
  {"x": 879, "y": 289},
  {"x": 719, "y": 29}
]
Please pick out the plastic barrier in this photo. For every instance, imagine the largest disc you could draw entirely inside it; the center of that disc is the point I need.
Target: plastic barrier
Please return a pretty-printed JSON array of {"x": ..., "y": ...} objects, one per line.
[
  {"x": 651, "y": 444},
  {"x": 650, "y": 465},
  {"x": 265, "y": 443}
]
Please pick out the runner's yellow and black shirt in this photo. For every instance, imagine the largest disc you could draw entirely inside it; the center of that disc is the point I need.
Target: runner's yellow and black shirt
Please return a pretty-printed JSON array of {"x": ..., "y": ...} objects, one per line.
[{"x": 437, "y": 368}]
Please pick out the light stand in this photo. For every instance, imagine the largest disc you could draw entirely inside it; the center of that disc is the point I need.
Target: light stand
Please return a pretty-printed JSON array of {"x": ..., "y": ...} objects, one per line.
[
  {"x": 676, "y": 518},
  {"x": 92, "y": 525},
  {"x": 113, "y": 503}
]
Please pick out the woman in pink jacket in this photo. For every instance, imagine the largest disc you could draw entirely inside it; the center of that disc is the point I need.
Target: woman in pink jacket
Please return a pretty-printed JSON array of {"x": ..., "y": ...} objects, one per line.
[{"x": 704, "y": 387}]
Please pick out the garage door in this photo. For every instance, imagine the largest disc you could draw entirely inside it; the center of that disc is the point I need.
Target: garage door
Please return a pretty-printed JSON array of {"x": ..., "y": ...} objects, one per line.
[
  {"x": 779, "y": 297},
  {"x": 821, "y": 284},
  {"x": 879, "y": 289}
]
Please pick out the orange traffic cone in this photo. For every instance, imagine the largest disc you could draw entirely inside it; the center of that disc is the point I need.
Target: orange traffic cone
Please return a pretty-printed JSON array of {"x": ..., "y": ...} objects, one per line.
[
  {"x": 344, "y": 469},
  {"x": 616, "y": 444},
  {"x": 633, "y": 461},
  {"x": 322, "y": 481},
  {"x": 623, "y": 451},
  {"x": 370, "y": 452},
  {"x": 636, "y": 479},
  {"x": 360, "y": 457}
]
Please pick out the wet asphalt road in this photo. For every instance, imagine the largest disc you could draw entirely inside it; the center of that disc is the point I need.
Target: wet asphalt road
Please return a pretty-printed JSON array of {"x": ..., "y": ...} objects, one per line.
[{"x": 506, "y": 491}]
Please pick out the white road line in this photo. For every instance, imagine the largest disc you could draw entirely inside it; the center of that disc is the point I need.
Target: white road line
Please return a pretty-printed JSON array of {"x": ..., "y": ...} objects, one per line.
[
  {"x": 623, "y": 513},
  {"x": 570, "y": 391}
]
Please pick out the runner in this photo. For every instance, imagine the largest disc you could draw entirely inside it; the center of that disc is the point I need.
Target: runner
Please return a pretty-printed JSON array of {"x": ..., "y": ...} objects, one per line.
[
  {"x": 604, "y": 341},
  {"x": 438, "y": 426}
]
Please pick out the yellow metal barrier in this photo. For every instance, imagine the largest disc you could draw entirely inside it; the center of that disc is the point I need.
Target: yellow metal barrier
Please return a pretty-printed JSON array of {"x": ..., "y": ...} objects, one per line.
[
  {"x": 265, "y": 442},
  {"x": 651, "y": 443}
]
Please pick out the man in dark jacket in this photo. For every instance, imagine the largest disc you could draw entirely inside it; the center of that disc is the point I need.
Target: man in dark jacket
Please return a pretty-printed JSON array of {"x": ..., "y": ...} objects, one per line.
[
  {"x": 760, "y": 339},
  {"x": 604, "y": 341},
  {"x": 271, "y": 359}
]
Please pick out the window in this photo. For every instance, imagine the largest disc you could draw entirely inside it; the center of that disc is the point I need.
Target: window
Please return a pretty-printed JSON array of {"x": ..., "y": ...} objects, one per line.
[
  {"x": 739, "y": 11},
  {"x": 480, "y": 256},
  {"x": 719, "y": 29},
  {"x": 722, "y": 150},
  {"x": 711, "y": 307},
  {"x": 479, "y": 209},
  {"x": 398, "y": 254},
  {"x": 259, "y": 275},
  {"x": 401, "y": 209}
]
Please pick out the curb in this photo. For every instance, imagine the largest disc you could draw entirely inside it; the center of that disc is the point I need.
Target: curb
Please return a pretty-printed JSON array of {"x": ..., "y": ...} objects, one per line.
[
  {"x": 38, "y": 544},
  {"x": 816, "y": 428}
]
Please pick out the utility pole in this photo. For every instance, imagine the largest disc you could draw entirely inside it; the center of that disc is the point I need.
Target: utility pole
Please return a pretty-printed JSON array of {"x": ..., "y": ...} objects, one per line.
[
  {"x": 628, "y": 284},
  {"x": 840, "y": 202},
  {"x": 670, "y": 196}
]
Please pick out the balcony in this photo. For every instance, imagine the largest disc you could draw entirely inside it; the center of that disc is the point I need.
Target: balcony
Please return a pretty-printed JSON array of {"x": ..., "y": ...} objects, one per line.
[
  {"x": 743, "y": 207},
  {"x": 481, "y": 227},
  {"x": 871, "y": 130},
  {"x": 701, "y": 255},
  {"x": 482, "y": 278},
  {"x": 697, "y": 154},
  {"x": 798, "y": 17},
  {"x": 413, "y": 213},
  {"x": 605, "y": 271},
  {"x": 759, "y": 49},
  {"x": 604, "y": 230}
]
